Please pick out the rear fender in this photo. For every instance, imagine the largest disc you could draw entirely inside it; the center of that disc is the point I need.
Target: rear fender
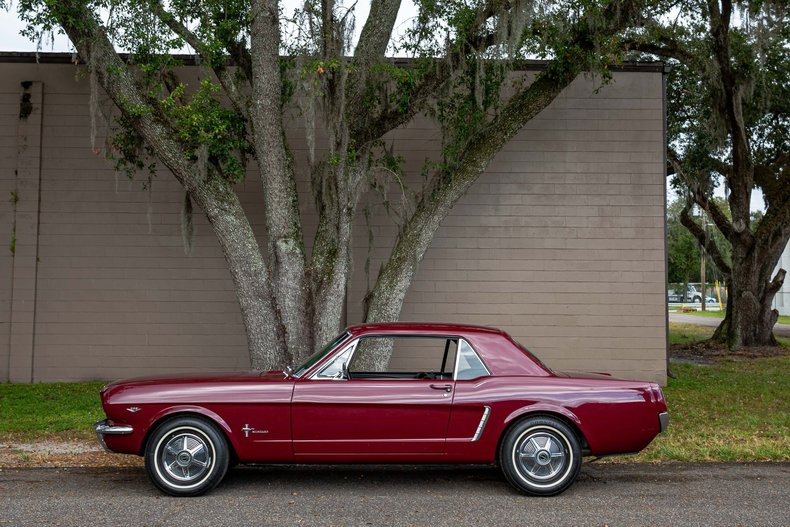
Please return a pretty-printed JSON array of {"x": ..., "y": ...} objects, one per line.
[{"x": 543, "y": 408}]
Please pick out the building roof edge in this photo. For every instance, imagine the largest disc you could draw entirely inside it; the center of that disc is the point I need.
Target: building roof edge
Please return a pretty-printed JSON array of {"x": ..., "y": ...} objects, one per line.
[{"x": 33, "y": 57}]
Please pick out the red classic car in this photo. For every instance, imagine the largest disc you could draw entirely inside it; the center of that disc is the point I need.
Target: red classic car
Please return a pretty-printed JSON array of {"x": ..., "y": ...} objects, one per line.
[{"x": 385, "y": 393}]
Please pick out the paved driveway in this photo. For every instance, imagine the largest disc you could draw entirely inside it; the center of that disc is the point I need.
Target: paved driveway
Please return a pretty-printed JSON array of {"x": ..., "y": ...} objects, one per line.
[
  {"x": 780, "y": 330},
  {"x": 611, "y": 494}
]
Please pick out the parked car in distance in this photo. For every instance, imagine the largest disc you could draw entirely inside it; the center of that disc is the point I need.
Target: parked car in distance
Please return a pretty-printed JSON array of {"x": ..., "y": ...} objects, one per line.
[
  {"x": 447, "y": 394},
  {"x": 692, "y": 295}
]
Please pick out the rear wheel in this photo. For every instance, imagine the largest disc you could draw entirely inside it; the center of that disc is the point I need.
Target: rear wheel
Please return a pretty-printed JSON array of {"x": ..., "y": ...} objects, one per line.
[
  {"x": 540, "y": 456},
  {"x": 186, "y": 456}
]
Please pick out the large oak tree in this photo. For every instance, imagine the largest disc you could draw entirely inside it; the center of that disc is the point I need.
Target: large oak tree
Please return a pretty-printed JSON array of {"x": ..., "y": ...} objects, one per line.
[
  {"x": 729, "y": 120},
  {"x": 463, "y": 70}
]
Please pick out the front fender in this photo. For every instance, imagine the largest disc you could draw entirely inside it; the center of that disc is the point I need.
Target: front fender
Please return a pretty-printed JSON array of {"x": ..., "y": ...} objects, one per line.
[{"x": 189, "y": 409}]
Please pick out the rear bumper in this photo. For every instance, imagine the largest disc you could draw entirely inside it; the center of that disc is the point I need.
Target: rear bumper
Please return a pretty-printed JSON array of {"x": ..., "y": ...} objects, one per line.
[
  {"x": 663, "y": 421},
  {"x": 103, "y": 427}
]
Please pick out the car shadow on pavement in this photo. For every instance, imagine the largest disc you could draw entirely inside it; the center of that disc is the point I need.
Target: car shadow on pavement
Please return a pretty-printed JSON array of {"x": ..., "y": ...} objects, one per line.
[{"x": 308, "y": 477}]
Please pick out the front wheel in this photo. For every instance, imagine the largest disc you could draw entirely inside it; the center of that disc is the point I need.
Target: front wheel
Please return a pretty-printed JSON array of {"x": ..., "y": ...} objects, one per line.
[
  {"x": 540, "y": 456},
  {"x": 186, "y": 456}
]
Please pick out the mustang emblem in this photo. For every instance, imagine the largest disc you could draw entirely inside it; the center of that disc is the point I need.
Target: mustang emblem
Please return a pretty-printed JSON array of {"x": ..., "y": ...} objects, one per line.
[{"x": 247, "y": 429}]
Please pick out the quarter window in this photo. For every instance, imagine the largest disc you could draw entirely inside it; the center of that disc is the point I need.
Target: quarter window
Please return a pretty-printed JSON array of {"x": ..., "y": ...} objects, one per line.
[{"x": 469, "y": 364}]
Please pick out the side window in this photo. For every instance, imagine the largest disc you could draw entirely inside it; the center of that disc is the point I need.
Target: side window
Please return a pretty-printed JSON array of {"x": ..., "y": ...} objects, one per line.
[
  {"x": 404, "y": 357},
  {"x": 469, "y": 364}
]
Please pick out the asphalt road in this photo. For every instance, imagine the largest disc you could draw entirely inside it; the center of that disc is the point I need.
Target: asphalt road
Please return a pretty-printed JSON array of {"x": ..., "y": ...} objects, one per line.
[
  {"x": 606, "y": 494},
  {"x": 780, "y": 330}
]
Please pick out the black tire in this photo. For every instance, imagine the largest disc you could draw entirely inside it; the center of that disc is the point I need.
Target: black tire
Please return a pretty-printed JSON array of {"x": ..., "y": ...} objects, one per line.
[
  {"x": 186, "y": 456},
  {"x": 540, "y": 456}
]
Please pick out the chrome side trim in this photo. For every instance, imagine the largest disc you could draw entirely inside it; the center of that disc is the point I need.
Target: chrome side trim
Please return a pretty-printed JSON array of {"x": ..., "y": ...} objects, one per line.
[
  {"x": 482, "y": 425},
  {"x": 663, "y": 421}
]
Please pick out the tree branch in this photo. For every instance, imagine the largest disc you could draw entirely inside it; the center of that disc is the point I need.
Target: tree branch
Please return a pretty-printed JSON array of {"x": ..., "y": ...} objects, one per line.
[
  {"x": 774, "y": 178},
  {"x": 222, "y": 72},
  {"x": 662, "y": 47},
  {"x": 706, "y": 241},
  {"x": 372, "y": 127},
  {"x": 731, "y": 106},
  {"x": 376, "y": 34},
  {"x": 721, "y": 220},
  {"x": 776, "y": 284}
]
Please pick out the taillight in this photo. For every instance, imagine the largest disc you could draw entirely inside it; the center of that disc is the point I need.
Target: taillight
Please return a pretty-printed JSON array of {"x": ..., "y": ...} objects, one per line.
[{"x": 659, "y": 393}]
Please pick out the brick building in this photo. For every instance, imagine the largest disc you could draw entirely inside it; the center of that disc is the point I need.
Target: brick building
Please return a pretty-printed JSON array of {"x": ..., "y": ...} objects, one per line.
[{"x": 561, "y": 242}]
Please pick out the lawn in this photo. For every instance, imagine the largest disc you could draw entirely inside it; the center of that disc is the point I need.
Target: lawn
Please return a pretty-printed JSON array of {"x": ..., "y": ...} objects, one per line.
[
  {"x": 689, "y": 333},
  {"x": 58, "y": 410},
  {"x": 726, "y": 411}
]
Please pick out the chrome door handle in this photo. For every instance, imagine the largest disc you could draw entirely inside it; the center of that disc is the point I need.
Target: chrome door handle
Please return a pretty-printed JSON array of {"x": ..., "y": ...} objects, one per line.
[{"x": 446, "y": 387}]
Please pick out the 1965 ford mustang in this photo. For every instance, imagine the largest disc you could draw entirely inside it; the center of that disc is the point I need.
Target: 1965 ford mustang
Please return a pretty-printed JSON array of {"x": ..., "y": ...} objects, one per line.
[{"x": 447, "y": 394}]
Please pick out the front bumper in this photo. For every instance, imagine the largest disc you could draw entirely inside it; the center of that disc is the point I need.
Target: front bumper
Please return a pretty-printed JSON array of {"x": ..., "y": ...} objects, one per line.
[
  {"x": 663, "y": 420},
  {"x": 103, "y": 427}
]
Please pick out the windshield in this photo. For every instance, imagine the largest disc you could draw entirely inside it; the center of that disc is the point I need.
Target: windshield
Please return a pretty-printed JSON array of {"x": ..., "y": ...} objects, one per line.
[{"x": 318, "y": 355}]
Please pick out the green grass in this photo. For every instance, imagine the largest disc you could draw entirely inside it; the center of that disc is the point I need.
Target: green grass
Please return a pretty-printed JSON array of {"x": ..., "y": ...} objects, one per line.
[
  {"x": 65, "y": 410},
  {"x": 689, "y": 333},
  {"x": 783, "y": 319},
  {"x": 728, "y": 411}
]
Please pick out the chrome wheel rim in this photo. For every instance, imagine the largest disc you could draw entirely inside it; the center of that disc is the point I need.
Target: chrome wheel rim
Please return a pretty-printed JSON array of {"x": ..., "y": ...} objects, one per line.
[
  {"x": 186, "y": 457},
  {"x": 541, "y": 456}
]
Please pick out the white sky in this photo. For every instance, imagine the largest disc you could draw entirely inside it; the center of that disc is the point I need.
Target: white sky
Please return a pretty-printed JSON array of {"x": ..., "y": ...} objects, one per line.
[{"x": 11, "y": 40}]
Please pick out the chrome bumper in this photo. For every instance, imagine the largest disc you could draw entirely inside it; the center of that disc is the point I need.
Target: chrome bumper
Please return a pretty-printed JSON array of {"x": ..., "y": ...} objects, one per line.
[
  {"x": 663, "y": 420},
  {"x": 102, "y": 428}
]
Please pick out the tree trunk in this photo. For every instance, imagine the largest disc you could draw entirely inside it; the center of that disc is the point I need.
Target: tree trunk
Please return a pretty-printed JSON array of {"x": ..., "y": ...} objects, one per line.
[
  {"x": 265, "y": 334},
  {"x": 281, "y": 202},
  {"x": 750, "y": 293}
]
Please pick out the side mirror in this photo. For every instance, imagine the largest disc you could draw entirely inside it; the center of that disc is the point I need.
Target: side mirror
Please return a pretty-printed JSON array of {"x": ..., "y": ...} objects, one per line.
[{"x": 346, "y": 373}]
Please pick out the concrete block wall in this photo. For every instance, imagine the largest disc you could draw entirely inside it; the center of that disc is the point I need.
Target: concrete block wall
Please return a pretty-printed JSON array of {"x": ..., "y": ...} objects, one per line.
[{"x": 560, "y": 243}]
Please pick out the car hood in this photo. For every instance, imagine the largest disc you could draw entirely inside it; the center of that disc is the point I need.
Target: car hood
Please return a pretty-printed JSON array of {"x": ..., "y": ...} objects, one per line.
[{"x": 187, "y": 382}]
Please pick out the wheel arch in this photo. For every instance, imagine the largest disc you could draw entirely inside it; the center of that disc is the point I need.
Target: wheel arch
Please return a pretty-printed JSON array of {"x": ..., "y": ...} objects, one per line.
[
  {"x": 190, "y": 411},
  {"x": 558, "y": 413}
]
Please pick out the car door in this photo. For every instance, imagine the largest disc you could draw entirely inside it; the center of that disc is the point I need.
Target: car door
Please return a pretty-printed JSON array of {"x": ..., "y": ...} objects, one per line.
[{"x": 399, "y": 408}]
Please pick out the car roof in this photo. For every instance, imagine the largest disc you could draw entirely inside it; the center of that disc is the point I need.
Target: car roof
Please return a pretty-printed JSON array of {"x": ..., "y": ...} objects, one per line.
[{"x": 422, "y": 328}]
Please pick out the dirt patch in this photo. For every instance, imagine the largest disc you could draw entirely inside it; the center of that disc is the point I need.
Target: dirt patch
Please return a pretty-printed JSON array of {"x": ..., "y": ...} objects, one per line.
[
  {"x": 61, "y": 454},
  {"x": 707, "y": 352}
]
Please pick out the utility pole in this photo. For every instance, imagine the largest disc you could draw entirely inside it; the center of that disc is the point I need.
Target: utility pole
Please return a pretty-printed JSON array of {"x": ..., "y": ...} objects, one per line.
[
  {"x": 702, "y": 258},
  {"x": 702, "y": 277}
]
